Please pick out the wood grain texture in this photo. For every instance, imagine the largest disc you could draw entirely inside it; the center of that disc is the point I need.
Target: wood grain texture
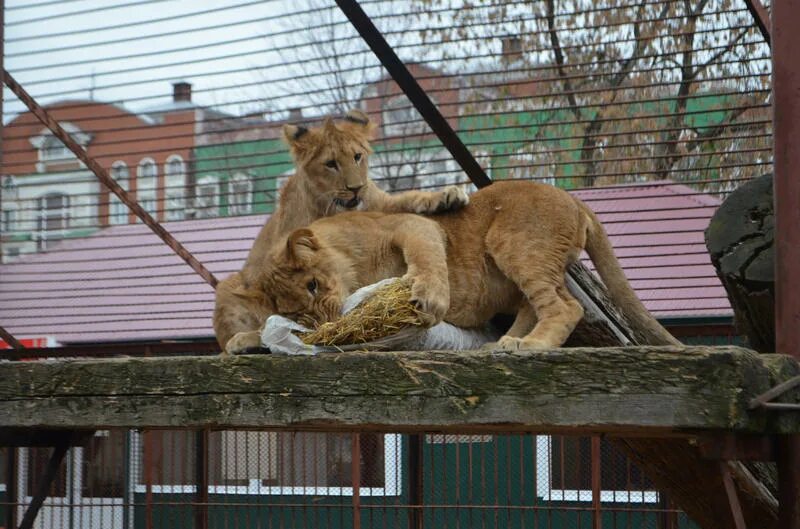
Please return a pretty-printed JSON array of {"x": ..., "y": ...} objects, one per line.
[{"x": 636, "y": 390}]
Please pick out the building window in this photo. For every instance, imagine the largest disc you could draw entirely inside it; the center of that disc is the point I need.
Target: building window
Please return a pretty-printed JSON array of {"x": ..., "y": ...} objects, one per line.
[
  {"x": 118, "y": 211},
  {"x": 269, "y": 463},
  {"x": 240, "y": 195},
  {"x": 207, "y": 199},
  {"x": 564, "y": 472},
  {"x": 10, "y": 188},
  {"x": 53, "y": 151},
  {"x": 52, "y": 217},
  {"x": 146, "y": 178},
  {"x": 175, "y": 176},
  {"x": 10, "y": 217},
  {"x": 174, "y": 166}
]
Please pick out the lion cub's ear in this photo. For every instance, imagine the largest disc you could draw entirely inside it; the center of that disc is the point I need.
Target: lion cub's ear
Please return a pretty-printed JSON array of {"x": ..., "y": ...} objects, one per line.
[
  {"x": 301, "y": 246},
  {"x": 295, "y": 137},
  {"x": 357, "y": 117}
]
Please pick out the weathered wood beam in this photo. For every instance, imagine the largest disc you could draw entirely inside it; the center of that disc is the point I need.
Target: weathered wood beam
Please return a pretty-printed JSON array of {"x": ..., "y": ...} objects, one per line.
[{"x": 650, "y": 391}]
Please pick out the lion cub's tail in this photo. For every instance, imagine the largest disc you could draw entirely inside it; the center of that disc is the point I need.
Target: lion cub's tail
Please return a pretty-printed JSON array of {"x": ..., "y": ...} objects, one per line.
[{"x": 622, "y": 294}]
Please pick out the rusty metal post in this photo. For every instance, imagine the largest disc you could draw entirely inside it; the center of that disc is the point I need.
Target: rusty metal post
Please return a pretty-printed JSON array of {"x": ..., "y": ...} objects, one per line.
[
  {"x": 47, "y": 120},
  {"x": 415, "y": 481},
  {"x": 786, "y": 161},
  {"x": 355, "y": 473},
  {"x": 50, "y": 473},
  {"x": 761, "y": 17},
  {"x": 9, "y": 339},
  {"x": 411, "y": 88},
  {"x": 597, "y": 487},
  {"x": 11, "y": 487},
  {"x": 201, "y": 480}
]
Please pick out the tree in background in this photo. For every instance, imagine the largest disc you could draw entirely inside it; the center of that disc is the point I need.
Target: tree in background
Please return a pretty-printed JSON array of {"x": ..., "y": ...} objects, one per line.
[{"x": 641, "y": 91}]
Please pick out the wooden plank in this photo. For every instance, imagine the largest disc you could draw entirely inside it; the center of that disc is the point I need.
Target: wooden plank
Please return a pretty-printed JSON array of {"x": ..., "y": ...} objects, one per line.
[{"x": 637, "y": 390}]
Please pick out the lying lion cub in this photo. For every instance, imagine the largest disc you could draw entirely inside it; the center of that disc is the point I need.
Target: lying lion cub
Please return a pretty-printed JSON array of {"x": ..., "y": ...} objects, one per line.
[
  {"x": 332, "y": 175},
  {"x": 506, "y": 252}
]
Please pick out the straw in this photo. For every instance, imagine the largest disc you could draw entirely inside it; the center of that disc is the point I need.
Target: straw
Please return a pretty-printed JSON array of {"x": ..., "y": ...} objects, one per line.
[{"x": 386, "y": 312}]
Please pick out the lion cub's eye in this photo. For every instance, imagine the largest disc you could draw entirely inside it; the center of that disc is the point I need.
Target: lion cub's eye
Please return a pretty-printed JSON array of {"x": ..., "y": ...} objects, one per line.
[
  {"x": 312, "y": 286},
  {"x": 331, "y": 164},
  {"x": 357, "y": 157}
]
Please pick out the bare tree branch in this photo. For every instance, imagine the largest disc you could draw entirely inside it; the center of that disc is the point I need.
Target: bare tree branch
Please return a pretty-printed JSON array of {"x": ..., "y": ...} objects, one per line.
[{"x": 559, "y": 55}]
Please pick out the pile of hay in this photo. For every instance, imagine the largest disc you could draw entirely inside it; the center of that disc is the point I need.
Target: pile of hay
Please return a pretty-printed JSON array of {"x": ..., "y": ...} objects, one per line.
[{"x": 383, "y": 314}]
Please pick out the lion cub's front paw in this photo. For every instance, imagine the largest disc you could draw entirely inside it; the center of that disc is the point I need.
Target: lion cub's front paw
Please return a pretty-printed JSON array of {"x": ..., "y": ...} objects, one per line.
[
  {"x": 242, "y": 341},
  {"x": 511, "y": 343},
  {"x": 452, "y": 198},
  {"x": 431, "y": 300}
]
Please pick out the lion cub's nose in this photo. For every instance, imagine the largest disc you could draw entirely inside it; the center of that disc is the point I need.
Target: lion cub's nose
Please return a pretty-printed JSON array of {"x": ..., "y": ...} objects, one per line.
[{"x": 354, "y": 189}]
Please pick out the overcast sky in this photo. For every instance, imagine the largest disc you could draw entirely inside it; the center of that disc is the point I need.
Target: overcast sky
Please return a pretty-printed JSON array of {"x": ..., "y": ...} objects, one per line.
[{"x": 131, "y": 52}]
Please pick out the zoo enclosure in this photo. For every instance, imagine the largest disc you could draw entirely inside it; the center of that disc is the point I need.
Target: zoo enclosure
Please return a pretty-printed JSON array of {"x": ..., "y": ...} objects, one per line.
[{"x": 591, "y": 131}]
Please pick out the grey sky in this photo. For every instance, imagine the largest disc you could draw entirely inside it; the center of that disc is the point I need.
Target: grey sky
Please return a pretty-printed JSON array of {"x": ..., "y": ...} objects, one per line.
[{"x": 159, "y": 42}]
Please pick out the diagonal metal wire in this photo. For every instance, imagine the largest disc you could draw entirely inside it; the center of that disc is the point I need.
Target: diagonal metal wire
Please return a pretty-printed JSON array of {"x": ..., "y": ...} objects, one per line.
[
  {"x": 109, "y": 182},
  {"x": 413, "y": 91}
]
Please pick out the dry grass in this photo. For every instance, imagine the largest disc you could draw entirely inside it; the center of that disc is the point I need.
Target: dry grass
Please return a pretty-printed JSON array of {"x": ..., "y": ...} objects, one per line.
[{"x": 384, "y": 313}]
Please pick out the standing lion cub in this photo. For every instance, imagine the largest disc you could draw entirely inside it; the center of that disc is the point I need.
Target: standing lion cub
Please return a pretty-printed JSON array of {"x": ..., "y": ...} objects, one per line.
[{"x": 507, "y": 252}]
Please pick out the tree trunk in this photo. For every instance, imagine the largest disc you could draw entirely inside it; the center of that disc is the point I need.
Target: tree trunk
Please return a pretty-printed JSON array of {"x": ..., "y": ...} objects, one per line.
[{"x": 740, "y": 241}]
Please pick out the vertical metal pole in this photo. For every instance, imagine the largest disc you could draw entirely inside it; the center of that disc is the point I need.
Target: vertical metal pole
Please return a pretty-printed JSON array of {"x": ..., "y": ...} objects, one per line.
[
  {"x": 201, "y": 480},
  {"x": 147, "y": 474},
  {"x": 597, "y": 513},
  {"x": 415, "y": 481},
  {"x": 786, "y": 161},
  {"x": 355, "y": 468},
  {"x": 11, "y": 487}
]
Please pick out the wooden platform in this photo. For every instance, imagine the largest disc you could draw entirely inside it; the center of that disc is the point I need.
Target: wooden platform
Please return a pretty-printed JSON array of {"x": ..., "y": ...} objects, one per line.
[{"x": 634, "y": 391}]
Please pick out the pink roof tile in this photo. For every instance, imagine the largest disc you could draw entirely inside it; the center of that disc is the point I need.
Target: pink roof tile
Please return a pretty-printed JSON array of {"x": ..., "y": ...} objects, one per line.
[{"x": 123, "y": 284}]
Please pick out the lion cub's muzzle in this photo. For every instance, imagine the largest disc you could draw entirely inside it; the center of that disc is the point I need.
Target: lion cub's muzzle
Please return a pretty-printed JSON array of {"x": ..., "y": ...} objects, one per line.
[{"x": 351, "y": 203}]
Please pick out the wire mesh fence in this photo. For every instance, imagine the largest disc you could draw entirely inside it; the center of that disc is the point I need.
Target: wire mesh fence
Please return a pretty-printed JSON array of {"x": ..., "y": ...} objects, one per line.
[
  {"x": 649, "y": 111},
  {"x": 656, "y": 105},
  {"x": 173, "y": 478}
]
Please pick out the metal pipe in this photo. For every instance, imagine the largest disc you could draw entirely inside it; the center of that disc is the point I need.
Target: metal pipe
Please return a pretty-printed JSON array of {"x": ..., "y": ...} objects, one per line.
[
  {"x": 355, "y": 474},
  {"x": 409, "y": 85},
  {"x": 786, "y": 161},
  {"x": 107, "y": 181},
  {"x": 50, "y": 474},
  {"x": 9, "y": 338},
  {"x": 761, "y": 17}
]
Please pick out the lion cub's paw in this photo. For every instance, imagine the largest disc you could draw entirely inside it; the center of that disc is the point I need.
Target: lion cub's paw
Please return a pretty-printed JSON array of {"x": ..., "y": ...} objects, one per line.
[
  {"x": 513, "y": 344},
  {"x": 431, "y": 300},
  {"x": 452, "y": 198},
  {"x": 241, "y": 341}
]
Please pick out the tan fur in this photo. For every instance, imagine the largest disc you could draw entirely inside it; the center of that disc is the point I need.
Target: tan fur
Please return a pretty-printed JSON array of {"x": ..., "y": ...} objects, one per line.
[
  {"x": 313, "y": 192},
  {"x": 506, "y": 252}
]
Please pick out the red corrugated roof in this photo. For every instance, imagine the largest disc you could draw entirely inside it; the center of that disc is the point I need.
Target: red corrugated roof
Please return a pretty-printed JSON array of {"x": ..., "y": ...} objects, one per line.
[{"x": 123, "y": 284}]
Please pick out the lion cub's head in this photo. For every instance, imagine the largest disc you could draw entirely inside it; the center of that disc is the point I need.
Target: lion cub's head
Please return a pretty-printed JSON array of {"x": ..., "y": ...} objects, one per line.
[
  {"x": 306, "y": 281},
  {"x": 332, "y": 159}
]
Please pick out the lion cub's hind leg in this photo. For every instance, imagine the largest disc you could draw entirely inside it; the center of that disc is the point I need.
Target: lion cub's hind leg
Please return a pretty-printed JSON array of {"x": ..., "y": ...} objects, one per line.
[
  {"x": 524, "y": 322},
  {"x": 540, "y": 276}
]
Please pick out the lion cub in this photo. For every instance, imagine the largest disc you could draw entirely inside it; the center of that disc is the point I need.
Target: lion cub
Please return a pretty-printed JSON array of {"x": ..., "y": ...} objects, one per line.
[
  {"x": 506, "y": 252},
  {"x": 331, "y": 175}
]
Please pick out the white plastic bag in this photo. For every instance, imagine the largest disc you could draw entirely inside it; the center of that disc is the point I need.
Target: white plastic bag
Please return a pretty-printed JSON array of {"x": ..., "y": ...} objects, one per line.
[{"x": 277, "y": 334}]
